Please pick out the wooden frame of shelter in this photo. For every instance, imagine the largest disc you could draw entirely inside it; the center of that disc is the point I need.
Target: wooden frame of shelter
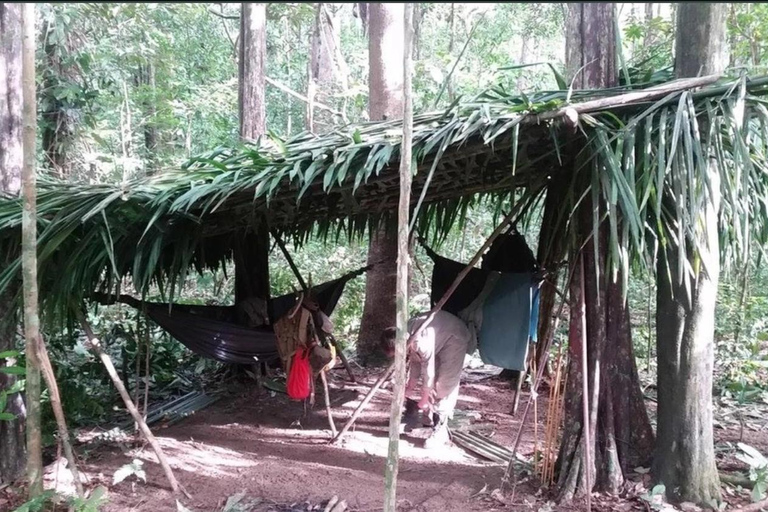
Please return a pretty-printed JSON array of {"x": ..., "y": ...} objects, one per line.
[{"x": 345, "y": 182}]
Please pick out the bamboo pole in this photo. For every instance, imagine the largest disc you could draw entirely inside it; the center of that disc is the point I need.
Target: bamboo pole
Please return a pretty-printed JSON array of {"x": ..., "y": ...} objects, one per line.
[
  {"x": 328, "y": 403},
  {"x": 392, "y": 466},
  {"x": 95, "y": 345}
]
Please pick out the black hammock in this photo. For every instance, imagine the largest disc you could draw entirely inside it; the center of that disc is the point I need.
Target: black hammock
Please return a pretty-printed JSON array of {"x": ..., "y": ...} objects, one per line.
[{"x": 210, "y": 331}]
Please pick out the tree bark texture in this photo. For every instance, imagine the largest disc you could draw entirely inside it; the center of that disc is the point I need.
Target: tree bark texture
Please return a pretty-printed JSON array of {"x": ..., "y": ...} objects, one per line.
[
  {"x": 385, "y": 101},
  {"x": 251, "y": 255},
  {"x": 252, "y": 64},
  {"x": 685, "y": 457},
  {"x": 327, "y": 69},
  {"x": 620, "y": 432},
  {"x": 12, "y": 445},
  {"x": 403, "y": 264},
  {"x": 29, "y": 254}
]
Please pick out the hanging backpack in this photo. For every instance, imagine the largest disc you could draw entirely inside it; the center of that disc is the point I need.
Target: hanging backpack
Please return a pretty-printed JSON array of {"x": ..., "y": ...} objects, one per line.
[{"x": 299, "y": 377}]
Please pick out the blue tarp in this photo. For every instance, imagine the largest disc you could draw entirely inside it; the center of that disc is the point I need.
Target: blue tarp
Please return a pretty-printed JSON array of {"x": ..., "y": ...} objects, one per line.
[{"x": 508, "y": 320}]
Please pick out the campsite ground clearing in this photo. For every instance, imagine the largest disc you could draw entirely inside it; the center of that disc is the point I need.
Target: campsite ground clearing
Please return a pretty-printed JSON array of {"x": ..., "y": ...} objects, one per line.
[{"x": 245, "y": 443}]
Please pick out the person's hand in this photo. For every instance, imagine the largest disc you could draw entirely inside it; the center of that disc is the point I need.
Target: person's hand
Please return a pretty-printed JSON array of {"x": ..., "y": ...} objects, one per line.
[{"x": 425, "y": 404}]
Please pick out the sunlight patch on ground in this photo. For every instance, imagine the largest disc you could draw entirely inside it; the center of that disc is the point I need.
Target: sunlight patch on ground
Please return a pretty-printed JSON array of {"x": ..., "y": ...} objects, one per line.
[{"x": 197, "y": 457}]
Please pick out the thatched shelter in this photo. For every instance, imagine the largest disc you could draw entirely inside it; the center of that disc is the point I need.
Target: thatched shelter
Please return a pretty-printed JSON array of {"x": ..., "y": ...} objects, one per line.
[{"x": 156, "y": 229}]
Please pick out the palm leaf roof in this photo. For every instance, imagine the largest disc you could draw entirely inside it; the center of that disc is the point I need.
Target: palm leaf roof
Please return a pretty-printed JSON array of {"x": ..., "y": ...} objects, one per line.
[{"x": 156, "y": 229}]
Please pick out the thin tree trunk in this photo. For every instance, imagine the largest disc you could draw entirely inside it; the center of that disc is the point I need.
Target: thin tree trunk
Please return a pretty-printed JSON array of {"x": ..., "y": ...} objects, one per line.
[
  {"x": 95, "y": 346},
  {"x": 147, "y": 77},
  {"x": 253, "y": 54},
  {"x": 12, "y": 445},
  {"x": 403, "y": 264},
  {"x": 126, "y": 133},
  {"x": 251, "y": 255},
  {"x": 385, "y": 40},
  {"x": 685, "y": 456},
  {"x": 29, "y": 255}
]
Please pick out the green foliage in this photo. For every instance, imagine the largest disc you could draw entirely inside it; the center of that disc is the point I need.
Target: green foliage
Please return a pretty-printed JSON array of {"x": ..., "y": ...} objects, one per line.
[
  {"x": 91, "y": 503},
  {"x": 649, "y": 42},
  {"x": 10, "y": 368},
  {"x": 748, "y": 34}
]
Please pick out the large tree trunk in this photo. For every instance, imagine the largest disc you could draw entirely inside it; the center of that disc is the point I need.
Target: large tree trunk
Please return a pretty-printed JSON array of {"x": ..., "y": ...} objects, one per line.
[
  {"x": 12, "y": 454},
  {"x": 620, "y": 435},
  {"x": 29, "y": 254},
  {"x": 251, "y": 255},
  {"x": 385, "y": 83},
  {"x": 685, "y": 458}
]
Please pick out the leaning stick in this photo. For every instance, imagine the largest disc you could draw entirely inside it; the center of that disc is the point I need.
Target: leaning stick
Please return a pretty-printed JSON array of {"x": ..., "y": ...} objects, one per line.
[
  {"x": 376, "y": 386},
  {"x": 95, "y": 345},
  {"x": 437, "y": 307},
  {"x": 58, "y": 412},
  {"x": 328, "y": 403}
]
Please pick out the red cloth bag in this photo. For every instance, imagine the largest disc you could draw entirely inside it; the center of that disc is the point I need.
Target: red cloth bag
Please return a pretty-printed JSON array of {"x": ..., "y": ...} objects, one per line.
[{"x": 299, "y": 378}]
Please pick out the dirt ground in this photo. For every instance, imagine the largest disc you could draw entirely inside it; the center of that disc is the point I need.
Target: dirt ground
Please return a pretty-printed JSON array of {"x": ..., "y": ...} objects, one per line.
[
  {"x": 251, "y": 443},
  {"x": 259, "y": 444}
]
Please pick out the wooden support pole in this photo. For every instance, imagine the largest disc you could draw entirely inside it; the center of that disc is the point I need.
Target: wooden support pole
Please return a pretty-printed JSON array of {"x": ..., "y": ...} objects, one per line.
[
  {"x": 95, "y": 345},
  {"x": 328, "y": 403}
]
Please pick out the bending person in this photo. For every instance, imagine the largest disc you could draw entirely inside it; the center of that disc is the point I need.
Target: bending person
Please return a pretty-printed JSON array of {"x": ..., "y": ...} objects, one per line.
[{"x": 437, "y": 357}]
